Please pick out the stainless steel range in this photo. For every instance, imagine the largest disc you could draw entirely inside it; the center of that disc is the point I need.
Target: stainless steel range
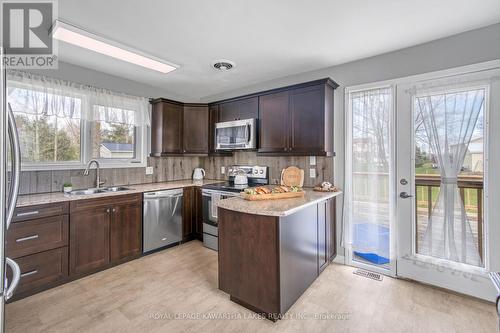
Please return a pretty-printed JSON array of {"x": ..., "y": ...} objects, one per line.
[{"x": 213, "y": 193}]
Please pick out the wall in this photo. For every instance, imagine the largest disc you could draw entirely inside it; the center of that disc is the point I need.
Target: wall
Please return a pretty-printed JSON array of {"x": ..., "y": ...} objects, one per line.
[
  {"x": 165, "y": 169},
  {"x": 173, "y": 168},
  {"x": 324, "y": 166}
]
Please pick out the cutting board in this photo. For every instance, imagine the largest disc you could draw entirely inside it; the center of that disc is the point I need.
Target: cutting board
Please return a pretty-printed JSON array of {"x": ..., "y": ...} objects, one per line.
[
  {"x": 292, "y": 176},
  {"x": 272, "y": 196}
]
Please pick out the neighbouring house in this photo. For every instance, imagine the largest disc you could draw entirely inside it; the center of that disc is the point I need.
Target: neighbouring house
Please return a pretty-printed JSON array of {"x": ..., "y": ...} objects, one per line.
[
  {"x": 116, "y": 150},
  {"x": 474, "y": 158}
]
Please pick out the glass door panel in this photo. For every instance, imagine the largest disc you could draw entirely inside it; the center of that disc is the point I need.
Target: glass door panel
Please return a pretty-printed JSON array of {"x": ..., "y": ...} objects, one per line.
[
  {"x": 369, "y": 190},
  {"x": 449, "y": 159}
]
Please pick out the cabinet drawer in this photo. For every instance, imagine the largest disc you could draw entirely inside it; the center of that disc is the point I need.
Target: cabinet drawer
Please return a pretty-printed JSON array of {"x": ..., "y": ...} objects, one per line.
[
  {"x": 38, "y": 211},
  {"x": 29, "y": 237},
  {"x": 38, "y": 270},
  {"x": 91, "y": 204}
]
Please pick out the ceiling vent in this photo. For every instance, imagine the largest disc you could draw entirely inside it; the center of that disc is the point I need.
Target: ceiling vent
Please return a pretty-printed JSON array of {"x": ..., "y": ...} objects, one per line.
[{"x": 223, "y": 65}]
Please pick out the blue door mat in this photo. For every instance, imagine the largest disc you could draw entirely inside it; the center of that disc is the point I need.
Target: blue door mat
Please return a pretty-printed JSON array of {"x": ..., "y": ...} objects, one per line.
[{"x": 371, "y": 242}]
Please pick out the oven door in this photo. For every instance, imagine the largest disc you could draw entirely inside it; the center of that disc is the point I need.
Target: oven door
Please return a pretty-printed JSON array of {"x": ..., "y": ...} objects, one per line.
[
  {"x": 209, "y": 204},
  {"x": 238, "y": 134}
]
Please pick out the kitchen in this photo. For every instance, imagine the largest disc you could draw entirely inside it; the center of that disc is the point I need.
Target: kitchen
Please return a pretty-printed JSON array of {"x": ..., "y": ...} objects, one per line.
[{"x": 159, "y": 186}]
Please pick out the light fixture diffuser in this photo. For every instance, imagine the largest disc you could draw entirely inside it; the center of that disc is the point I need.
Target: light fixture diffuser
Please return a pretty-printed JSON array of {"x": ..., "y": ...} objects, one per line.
[{"x": 73, "y": 35}]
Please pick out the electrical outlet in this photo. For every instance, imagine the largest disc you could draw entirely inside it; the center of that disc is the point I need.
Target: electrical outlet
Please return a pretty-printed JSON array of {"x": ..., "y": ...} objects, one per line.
[
  {"x": 149, "y": 170},
  {"x": 312, "y": 160},
  {"x": 312, "y": 173},
  {"x": 222, "y": 170}
]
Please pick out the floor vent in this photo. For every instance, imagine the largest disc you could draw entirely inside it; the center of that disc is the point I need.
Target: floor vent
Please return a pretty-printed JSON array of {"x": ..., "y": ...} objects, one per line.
[{"x": 367, "y": 274}]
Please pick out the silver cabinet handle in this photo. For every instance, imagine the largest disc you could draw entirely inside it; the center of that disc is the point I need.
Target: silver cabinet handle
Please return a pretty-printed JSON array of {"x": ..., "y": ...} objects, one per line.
[
  {"x": 34, "y": 212},
  {"x": 29, "y": 273},
  {"x": 16, "y": 166},
  {"x": 114, "y": 210},
  {"x": 16, "y": 276},
  {"x": 19, "y": 240},
  {"x": 107, "y": 210}
]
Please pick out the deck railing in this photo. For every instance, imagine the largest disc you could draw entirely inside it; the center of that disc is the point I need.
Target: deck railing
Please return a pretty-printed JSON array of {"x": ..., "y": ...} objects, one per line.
[{"x": 471, "y": 191}]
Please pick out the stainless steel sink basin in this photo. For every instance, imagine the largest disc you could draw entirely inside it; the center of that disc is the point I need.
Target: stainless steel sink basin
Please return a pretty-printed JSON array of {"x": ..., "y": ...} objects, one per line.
[
  {"x": 98, "y": 190},
  {"x": 87, "y": 191},
  {"x": 116, "y": 189}
]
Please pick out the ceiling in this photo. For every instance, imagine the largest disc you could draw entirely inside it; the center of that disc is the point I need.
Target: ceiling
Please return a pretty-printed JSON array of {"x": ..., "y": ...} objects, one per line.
[{"x": 266, "y": 39}]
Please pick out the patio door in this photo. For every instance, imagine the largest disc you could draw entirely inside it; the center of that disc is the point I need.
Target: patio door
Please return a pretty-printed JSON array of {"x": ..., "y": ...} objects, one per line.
[{"x": 442, "y": 182}]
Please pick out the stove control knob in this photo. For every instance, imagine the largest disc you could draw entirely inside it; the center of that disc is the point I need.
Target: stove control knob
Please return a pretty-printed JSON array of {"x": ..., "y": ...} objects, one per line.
[{"x": 261, "y": 172}]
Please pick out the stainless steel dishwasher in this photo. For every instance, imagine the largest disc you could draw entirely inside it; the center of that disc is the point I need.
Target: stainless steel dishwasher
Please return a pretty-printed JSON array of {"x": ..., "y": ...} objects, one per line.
[{"x": 162, "y": 220}]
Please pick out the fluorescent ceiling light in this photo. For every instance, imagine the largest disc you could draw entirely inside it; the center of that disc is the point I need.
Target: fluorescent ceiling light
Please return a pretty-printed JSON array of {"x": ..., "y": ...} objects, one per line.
[{"x": 79, "y": 37}]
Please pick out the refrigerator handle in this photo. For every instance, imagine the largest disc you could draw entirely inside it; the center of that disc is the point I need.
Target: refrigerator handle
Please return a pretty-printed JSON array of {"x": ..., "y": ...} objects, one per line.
[
  {"x": 16, "y": 167},
  {"x": 16, "y": 276}
]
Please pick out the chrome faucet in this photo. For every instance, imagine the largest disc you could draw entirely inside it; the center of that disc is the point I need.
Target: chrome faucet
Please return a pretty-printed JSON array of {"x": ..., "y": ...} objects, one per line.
[{"x": 98, "y": 182}]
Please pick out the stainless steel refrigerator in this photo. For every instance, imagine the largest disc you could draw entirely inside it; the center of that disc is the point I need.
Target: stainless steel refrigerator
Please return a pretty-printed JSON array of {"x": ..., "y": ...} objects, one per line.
[{"x": 9, "y": 146}]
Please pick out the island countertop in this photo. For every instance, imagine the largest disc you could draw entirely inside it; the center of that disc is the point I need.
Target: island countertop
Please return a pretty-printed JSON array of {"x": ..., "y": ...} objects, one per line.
[{"x": 281, "y": 207}]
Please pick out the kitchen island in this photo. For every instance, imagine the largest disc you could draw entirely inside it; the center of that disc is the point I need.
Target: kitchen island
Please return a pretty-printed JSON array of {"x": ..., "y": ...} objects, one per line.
[{"x": 270, "y": 252}]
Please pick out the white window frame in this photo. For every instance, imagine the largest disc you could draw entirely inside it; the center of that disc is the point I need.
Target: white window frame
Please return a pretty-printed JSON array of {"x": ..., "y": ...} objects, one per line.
[{"x": 86, "y": 135}]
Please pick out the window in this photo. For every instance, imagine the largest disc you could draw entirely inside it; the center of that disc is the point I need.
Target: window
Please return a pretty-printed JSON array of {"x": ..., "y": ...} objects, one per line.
[
  {"x": 49, "y": 125},
  {"x": 62, "y": 125},
  {"x": 114, "y": 133}
]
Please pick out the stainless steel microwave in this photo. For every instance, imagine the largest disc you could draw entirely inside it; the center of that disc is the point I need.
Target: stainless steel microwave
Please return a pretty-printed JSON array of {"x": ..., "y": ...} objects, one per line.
[{"x": 235, "y": 135}]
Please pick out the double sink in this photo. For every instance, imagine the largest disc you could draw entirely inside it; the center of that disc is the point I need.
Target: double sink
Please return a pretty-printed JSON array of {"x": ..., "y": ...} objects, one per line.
[{"x": 98, "y": 190}]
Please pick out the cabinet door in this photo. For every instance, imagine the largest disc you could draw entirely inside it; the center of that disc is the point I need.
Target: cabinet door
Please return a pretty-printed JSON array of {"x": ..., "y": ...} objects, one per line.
[
  {"x": 89, "y": 240},
  {"x": 323, "y": 236},
  {"x": 248, "y": 108},
  {"x": 195, "y": 129},
  {"x": 307, "y": 113},
  {"x": 213, "y": 118},
  {"x": 172, "y": 128},
  {"x": 187, "y": 213},
  {"x": 274, "y": 122},
  {"x": 157, "y": 129},
  {"x": 126, "y": 232},
  {"x": 198, "y": 213},
  {"x": 331, "y": 228},
  {"x": 228, "y": 111}
]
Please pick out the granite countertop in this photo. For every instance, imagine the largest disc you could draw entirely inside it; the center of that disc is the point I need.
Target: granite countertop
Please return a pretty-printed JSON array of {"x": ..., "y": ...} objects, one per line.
[
  {"x": 45, "y": 198},
  {"x": 280, "y": 207}
]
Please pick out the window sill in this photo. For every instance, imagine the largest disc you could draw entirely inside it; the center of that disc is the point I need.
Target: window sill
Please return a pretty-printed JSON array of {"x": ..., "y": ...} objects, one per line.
[{"x": 80, "y": 166}]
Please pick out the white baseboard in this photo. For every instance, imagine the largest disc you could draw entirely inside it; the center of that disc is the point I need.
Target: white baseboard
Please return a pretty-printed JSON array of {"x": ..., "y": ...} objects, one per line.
[{"x": 339, "y": 260}]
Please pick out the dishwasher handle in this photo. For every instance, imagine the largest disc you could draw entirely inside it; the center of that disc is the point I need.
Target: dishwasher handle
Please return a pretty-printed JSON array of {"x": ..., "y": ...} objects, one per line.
[{"x": 160, "y": 195}]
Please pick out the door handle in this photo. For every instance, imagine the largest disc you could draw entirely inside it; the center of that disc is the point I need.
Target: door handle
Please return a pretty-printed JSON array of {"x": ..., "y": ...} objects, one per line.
[
  {"x": 16, "y": 276},
  {"x": 16, "y": 165},
  {"x": 404, "y": 195}
]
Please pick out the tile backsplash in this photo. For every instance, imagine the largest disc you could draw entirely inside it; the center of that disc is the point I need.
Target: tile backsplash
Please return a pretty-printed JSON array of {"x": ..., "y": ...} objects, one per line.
[
  {"x": 324, "y": 166},
  {"x": 173, "y": 168}
]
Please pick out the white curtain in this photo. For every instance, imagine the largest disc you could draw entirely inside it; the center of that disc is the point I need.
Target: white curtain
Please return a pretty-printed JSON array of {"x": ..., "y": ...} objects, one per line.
[
  {"x": 449, "y": 120},
  {"x": 368, "y": 203},
  {"x": 42, "y": 95}
]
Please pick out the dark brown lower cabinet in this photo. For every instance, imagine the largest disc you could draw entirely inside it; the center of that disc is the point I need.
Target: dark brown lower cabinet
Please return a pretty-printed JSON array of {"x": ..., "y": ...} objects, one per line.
[
  {"x": 267, "y": 262},
  {"x": 89, "y": 240},
  {"x": 198, "y": 213},
  {"x": 104, "y": 232},
  {"x": 126, "y": 232},
  {"x": 41, "y": 270},
  {"x": 187, "y": 214},
  {"x": 192, "y": 214}
]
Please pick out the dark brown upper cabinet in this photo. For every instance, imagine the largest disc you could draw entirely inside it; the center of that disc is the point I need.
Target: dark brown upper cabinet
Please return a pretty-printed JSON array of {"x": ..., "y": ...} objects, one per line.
[
  {"x": 245, "y": 108},
  {"x": 297, "y": 120},
  {"x": 178, "y": 128},
  {"x": 166, "y": 128},
  {"x": 195, "y": 129},
  {"x": 273, "y": 122}
]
